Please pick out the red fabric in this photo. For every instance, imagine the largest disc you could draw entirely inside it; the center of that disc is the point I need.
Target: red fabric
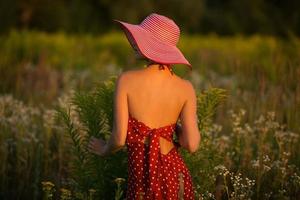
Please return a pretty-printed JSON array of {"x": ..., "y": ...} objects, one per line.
[{"x": 150, "y": 173}]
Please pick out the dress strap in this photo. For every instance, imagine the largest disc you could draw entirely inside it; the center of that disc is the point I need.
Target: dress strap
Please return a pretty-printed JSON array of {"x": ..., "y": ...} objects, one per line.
[{"x": 168, "y": 66}]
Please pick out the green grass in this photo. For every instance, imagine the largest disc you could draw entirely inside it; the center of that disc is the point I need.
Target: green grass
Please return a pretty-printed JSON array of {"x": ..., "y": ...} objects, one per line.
[{"x": 260, "y": 74}]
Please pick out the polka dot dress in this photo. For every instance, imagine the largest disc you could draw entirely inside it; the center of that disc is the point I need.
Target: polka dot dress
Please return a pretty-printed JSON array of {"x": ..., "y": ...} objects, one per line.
[{"x": 152, "y": 175}]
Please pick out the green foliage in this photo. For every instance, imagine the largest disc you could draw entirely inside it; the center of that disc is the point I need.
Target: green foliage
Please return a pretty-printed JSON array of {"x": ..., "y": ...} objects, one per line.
[
  {"x": 105, "y": 94},
  {"x": 257, "y": 160},
  {"x": 38, "y": 70},
  {"x": 93, "y": 110},
  {"x": 83, "y": 174},
  {"x": 207, "y": 103},
  {"x": 202, "y": 162}
]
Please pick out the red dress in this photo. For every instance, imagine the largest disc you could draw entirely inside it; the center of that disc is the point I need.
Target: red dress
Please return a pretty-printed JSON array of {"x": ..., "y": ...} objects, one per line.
[{"x": 152, "y": 175}]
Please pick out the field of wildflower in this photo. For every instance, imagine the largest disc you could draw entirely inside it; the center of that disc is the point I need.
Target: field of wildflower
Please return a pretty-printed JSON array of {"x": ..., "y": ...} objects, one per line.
[{"x": 56, "y": 91}]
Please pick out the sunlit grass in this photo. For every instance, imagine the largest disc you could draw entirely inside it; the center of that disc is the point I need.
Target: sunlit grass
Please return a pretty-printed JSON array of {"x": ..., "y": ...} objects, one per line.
[{"x": 248, "y": 152}]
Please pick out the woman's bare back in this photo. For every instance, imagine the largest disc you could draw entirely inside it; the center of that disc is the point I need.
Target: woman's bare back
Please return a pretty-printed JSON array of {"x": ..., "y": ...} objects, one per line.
[{"x": 156, "y": 98}]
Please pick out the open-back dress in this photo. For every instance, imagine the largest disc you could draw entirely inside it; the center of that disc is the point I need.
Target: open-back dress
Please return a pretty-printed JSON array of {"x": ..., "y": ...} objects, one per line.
[{"x": 151, "y": 174}]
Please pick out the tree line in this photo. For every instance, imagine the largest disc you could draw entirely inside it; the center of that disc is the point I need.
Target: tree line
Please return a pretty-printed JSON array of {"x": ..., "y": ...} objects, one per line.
[{"x": 223, "y": 17}]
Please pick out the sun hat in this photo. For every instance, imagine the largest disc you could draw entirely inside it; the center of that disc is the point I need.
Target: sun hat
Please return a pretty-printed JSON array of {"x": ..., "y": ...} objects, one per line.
[{"x": 156, "y": 38}]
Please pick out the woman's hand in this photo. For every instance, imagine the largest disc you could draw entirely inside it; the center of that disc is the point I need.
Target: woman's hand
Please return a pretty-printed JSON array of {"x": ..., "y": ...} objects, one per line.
[{"x": 97, "y": 146}]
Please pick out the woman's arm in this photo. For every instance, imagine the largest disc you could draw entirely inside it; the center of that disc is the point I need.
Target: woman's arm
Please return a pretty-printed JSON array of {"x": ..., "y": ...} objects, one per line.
[
  {"x": 118, "y": 136},
  {"x": 119, "y": 131},
  {"x": 188, "y": 133}
]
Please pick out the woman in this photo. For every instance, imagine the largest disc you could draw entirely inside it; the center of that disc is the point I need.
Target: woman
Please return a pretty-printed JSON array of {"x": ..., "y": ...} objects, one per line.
[{"x": 148, "y": 103}]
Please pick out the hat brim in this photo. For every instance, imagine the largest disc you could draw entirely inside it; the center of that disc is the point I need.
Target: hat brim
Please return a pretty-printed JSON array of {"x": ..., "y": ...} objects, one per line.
[{"x": 152, "y": 48}]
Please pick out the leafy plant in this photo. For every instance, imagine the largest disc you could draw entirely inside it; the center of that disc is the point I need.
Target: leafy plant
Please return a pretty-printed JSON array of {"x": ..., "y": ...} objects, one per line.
[{"x": 90, "y": 114}]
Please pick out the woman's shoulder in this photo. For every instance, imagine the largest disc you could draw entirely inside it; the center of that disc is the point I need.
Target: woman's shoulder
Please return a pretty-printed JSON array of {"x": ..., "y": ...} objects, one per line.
[{"x": 124, "y": 78}]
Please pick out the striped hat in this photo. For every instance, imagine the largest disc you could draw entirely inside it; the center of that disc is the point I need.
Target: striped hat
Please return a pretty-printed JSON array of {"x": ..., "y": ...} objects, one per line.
[{"x": 156, "y": 39}]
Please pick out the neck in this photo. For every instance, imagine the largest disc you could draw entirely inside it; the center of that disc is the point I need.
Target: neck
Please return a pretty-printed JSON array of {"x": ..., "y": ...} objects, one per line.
[{"x": 155, "y": 66}]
